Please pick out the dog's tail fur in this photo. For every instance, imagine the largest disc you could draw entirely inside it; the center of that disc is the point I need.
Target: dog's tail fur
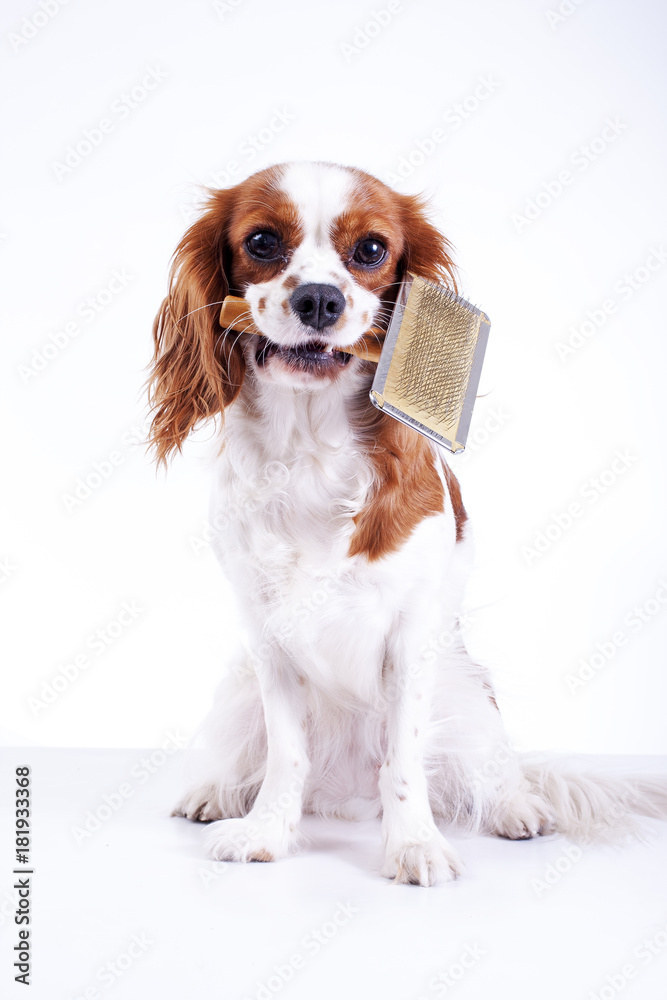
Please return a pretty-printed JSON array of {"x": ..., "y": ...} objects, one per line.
[{"x": 588, "y": 807}]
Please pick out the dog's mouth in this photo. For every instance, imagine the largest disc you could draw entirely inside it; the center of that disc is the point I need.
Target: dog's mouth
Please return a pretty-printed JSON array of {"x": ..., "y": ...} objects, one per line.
[{"x": 314, "y": 356}]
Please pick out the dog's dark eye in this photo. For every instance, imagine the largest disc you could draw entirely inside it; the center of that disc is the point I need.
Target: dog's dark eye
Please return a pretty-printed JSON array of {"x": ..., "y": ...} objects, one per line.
[
  {"x": 264, "y": 246},
  {"x": 370, "y": 252}
]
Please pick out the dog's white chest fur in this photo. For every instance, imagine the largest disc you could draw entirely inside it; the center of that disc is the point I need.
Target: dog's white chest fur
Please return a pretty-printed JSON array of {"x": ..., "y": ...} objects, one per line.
[{"x": 284, "y": 502}]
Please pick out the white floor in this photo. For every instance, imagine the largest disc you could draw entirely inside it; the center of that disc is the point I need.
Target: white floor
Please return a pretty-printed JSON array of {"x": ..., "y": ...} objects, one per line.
[{"x": 133, "y": 910}]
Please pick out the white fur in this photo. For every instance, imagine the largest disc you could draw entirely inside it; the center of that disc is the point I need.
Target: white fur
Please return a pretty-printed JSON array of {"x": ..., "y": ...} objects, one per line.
[{"x": 355, "y": 696}]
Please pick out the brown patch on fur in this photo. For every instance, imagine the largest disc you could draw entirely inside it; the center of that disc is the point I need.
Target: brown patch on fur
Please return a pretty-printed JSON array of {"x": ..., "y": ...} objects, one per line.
[
  {"x": 350, "y": 302},
  {"x": 261, "y": 305},
  {"x": 400, "y": 222},
  {"x": 198, "y": 370},
  {"x": 291, "y": 283},
  {"x": 260, "y": 204},
  {"x": 401, "y": 798},
  {"x": 491, "y": 694},
  {"x": 460, "y": 515},
  {"x": 407, "y": 486},
  {"x": 285, "y": 306},
  {"x": 262, "y": 855}
]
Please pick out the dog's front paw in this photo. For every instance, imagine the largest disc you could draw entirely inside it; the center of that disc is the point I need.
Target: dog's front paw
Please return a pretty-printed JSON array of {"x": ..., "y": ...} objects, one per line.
[
  {"x": 248, "y": 840},
  {"x": 422, "y": 861}
]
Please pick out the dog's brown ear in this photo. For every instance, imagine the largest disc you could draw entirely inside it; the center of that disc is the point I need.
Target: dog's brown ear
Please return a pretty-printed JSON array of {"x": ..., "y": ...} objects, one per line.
[
  {"x": 427, "y": 252},
  {"x": 197, "y": 369}
]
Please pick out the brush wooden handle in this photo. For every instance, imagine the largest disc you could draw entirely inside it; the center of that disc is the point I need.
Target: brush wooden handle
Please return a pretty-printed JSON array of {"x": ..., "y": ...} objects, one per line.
[{"x": 235, "y": 315}]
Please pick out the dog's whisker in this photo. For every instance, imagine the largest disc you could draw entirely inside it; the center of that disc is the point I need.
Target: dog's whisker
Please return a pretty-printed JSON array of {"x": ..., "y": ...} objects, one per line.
[{"x": 199, "y": 309}]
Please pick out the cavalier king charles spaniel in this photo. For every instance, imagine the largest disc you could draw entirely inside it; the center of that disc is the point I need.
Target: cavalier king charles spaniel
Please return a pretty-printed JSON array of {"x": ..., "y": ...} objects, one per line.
[{"x": 345, "y": 538}]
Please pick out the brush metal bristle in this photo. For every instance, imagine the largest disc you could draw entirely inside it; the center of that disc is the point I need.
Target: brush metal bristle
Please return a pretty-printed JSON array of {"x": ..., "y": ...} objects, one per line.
[{"x": 431, "y": 361}]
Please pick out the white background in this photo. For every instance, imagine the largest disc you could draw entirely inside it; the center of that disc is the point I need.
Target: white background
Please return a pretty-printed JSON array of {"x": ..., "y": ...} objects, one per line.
[{"x": 550, "y": 89}]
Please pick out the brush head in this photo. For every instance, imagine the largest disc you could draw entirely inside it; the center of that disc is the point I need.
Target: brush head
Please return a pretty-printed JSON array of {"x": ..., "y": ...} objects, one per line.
[{"x": 431, "y": 361}]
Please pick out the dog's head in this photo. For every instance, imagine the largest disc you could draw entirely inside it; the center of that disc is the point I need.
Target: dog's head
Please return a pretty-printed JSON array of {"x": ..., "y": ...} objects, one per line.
[{"x": 317, "y": 251}]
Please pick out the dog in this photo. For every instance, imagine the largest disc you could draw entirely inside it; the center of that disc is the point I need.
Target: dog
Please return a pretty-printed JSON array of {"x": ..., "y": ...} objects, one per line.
[{"x": 345, "y": 538}]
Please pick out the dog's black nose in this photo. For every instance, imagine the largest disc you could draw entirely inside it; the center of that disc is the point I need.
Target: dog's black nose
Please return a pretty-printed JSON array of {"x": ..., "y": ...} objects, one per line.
[{"x": 317, "y": 305}]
